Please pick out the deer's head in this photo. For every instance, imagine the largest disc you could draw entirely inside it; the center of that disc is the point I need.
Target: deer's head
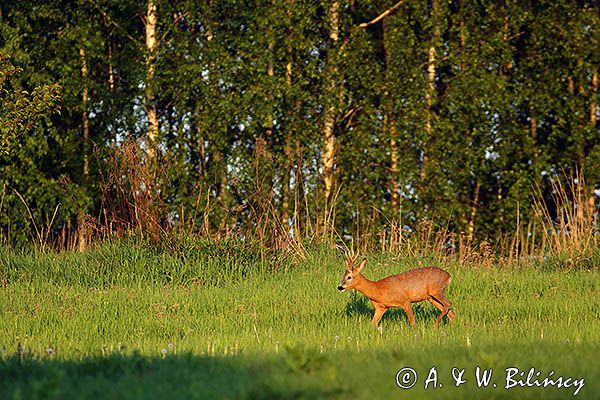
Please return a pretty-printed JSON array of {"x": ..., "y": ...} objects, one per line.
[{"x": 351, "y": 274}]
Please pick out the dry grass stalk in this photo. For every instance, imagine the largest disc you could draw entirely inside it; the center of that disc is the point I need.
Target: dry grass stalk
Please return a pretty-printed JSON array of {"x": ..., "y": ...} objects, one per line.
[{"x": 567, "y": 223}]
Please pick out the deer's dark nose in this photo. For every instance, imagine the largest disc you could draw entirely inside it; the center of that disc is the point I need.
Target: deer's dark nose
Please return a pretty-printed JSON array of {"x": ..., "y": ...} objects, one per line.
[{"x": 341, "y": 288}]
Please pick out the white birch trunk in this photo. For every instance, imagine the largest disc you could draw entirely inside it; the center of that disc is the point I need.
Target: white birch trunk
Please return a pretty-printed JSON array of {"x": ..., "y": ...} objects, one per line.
[
  {"x": 151, "y": 109},
  {"x": 330, "y": 112}
]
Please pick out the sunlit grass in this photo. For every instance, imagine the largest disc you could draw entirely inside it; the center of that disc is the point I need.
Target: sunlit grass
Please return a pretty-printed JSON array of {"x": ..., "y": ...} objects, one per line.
[{"x": 277, "y": 329}]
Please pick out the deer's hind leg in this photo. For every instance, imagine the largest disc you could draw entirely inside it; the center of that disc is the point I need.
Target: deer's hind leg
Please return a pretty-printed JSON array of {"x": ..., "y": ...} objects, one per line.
[
  {"x": 443, "y": 304},
  {"x": 437, "y": 304}
]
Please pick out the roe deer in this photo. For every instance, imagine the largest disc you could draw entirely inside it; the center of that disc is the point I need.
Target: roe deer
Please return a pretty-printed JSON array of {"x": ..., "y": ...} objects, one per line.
[{"x": 400, "y": 290}]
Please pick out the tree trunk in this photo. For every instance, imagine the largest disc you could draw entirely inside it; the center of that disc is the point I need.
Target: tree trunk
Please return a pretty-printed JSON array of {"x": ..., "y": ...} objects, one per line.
[
  {"x": 534, "y": 135},
  {"x": 151, "y": 48},
  {"x": 265, "y": 175},
  {"x": 221, "y": 192},
  {"x": 86, "y": 117},
  {"x": 300, "y": 224},
  {"x": 285, "y": 181},
  {"x": 593, "y": 122},
  {"x": 270, "y": 74},
  {"x": 111, "y": 88},
  {"x": 593, "y": 97},
  {"x": 506, "y": 67},
  {"x": 203, "y": 165},
  {"x": 82, "y": 232},
  {"x": 390, "y": 127},
  {"x": 571, "y": 85},
  {"x": 581, "y": 127},
  {"x": 287, "y": 150},
  {"x": 430, "y": 92},
  {"x": 395, "y": 188},
  {"x": 331, "y": 109},
  {"x": 429, "y": 98},
  {"x": 201, "y": 146},
  {"x": 473, "y": 215}
]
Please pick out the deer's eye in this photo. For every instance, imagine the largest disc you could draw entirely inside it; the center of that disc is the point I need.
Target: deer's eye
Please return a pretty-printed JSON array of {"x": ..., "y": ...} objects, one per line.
[{"x": 349, "y": 278}]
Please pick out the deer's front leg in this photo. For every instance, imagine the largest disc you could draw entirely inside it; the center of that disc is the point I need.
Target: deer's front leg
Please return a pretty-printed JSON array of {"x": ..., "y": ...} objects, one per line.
[{"x": 379, "y": 310}]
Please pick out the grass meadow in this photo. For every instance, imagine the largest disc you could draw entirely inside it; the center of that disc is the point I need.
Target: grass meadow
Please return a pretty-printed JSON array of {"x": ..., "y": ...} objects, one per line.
[{"x": 203, "y": 320}]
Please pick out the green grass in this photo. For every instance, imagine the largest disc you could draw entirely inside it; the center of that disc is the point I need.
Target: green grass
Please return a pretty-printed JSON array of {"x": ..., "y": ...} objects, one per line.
[{"x": 228, "y": 321}]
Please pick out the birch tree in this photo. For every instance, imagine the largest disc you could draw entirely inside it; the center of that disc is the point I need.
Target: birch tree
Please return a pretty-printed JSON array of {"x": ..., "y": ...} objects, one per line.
[{"x": 151, "y": 52}]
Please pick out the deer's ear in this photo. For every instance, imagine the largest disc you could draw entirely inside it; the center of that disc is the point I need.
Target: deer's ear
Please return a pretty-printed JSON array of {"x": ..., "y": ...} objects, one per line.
[{"x": 360, "y": 267}]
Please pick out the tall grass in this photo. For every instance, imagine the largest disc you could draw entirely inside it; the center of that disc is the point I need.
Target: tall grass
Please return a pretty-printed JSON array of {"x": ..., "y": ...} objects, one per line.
[
  {"x": 573, "y": 230},
  {"x": 126, "y": 315},
  {"x": 564, "y": 232},
  {"x": 197, "y": 262}
]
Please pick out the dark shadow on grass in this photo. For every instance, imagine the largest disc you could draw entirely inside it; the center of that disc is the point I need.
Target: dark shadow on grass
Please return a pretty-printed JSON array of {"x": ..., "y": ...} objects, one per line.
[
  {"x": 360, "y": 305},
  {"x": 294, "y": 374}
]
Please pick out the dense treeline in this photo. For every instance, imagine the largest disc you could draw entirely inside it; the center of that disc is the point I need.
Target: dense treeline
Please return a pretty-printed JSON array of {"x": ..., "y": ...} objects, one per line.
[{"x": 295, "y": 116}]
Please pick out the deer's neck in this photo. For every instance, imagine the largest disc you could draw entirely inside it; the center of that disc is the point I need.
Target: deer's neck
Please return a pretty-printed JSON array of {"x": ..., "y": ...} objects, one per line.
[{"x": 366, "y": 287}]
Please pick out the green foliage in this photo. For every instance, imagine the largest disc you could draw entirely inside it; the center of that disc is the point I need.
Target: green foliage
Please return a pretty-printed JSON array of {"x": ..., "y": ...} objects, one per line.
[
  {"x": 241, "y": 92},
  {"x": 20, "y": 110}
]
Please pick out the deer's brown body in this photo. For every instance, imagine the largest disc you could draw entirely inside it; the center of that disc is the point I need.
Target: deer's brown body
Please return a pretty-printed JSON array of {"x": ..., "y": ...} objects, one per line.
[{"x": 399, "y": 291}]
